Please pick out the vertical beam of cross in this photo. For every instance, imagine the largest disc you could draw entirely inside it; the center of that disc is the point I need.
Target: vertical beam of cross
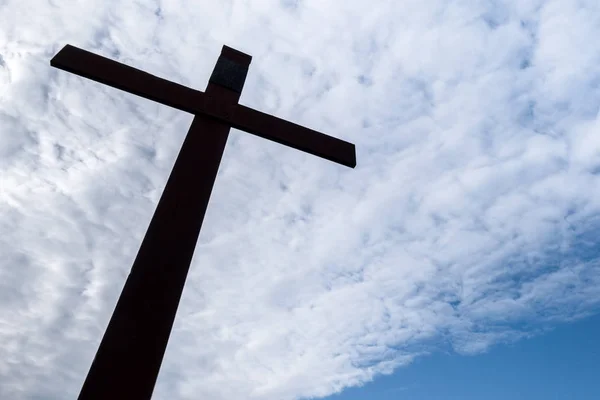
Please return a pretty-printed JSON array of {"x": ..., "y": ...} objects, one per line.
[{"x": 130, "y": 354}]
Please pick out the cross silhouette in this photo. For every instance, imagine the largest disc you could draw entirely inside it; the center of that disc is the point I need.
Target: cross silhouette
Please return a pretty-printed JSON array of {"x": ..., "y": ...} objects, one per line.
[{"x": 128, "y": 359}]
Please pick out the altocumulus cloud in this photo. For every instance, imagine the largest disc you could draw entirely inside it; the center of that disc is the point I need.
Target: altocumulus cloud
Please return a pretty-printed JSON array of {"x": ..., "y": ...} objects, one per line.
[{"x": 470, "y": 220}]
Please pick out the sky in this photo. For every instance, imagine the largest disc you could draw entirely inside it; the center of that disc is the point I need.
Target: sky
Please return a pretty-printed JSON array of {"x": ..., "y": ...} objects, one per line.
[
  {"x": 561, "y": 364},
  {"x": 467, "y": 230}
]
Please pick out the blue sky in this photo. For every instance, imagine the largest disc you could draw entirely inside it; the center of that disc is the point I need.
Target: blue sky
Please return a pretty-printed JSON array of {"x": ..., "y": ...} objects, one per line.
[
  {"x": 561, "y": 364},
  {"x": 471, "y": 220}
]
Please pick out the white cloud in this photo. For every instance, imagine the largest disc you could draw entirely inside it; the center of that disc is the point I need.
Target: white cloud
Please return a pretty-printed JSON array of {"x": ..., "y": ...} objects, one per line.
[{"x": 470, "y": 219}]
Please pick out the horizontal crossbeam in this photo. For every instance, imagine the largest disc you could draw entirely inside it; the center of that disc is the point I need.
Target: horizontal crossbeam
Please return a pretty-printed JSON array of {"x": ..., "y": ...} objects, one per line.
[{"x": 143, "y": 84}]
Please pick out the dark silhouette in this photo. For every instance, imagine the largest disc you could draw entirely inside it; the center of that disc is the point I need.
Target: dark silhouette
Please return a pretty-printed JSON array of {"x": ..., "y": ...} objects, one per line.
[{"x": 128, "y": 360}]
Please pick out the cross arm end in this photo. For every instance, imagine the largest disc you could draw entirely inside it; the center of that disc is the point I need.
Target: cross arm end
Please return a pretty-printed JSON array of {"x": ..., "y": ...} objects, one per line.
[{"x": 295, "y": 136}]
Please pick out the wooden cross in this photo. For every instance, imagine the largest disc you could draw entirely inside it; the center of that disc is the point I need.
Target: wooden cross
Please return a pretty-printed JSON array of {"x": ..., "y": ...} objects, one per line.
[{"x": 128, "y": 360}]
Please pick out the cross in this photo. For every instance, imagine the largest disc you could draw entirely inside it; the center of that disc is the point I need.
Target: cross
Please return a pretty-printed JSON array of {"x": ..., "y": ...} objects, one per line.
[{"x": 128, "y": 359}]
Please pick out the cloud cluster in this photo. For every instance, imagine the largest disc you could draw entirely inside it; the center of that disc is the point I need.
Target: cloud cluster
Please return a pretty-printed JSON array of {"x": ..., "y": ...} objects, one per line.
[{"x": 470, "y": 220}]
